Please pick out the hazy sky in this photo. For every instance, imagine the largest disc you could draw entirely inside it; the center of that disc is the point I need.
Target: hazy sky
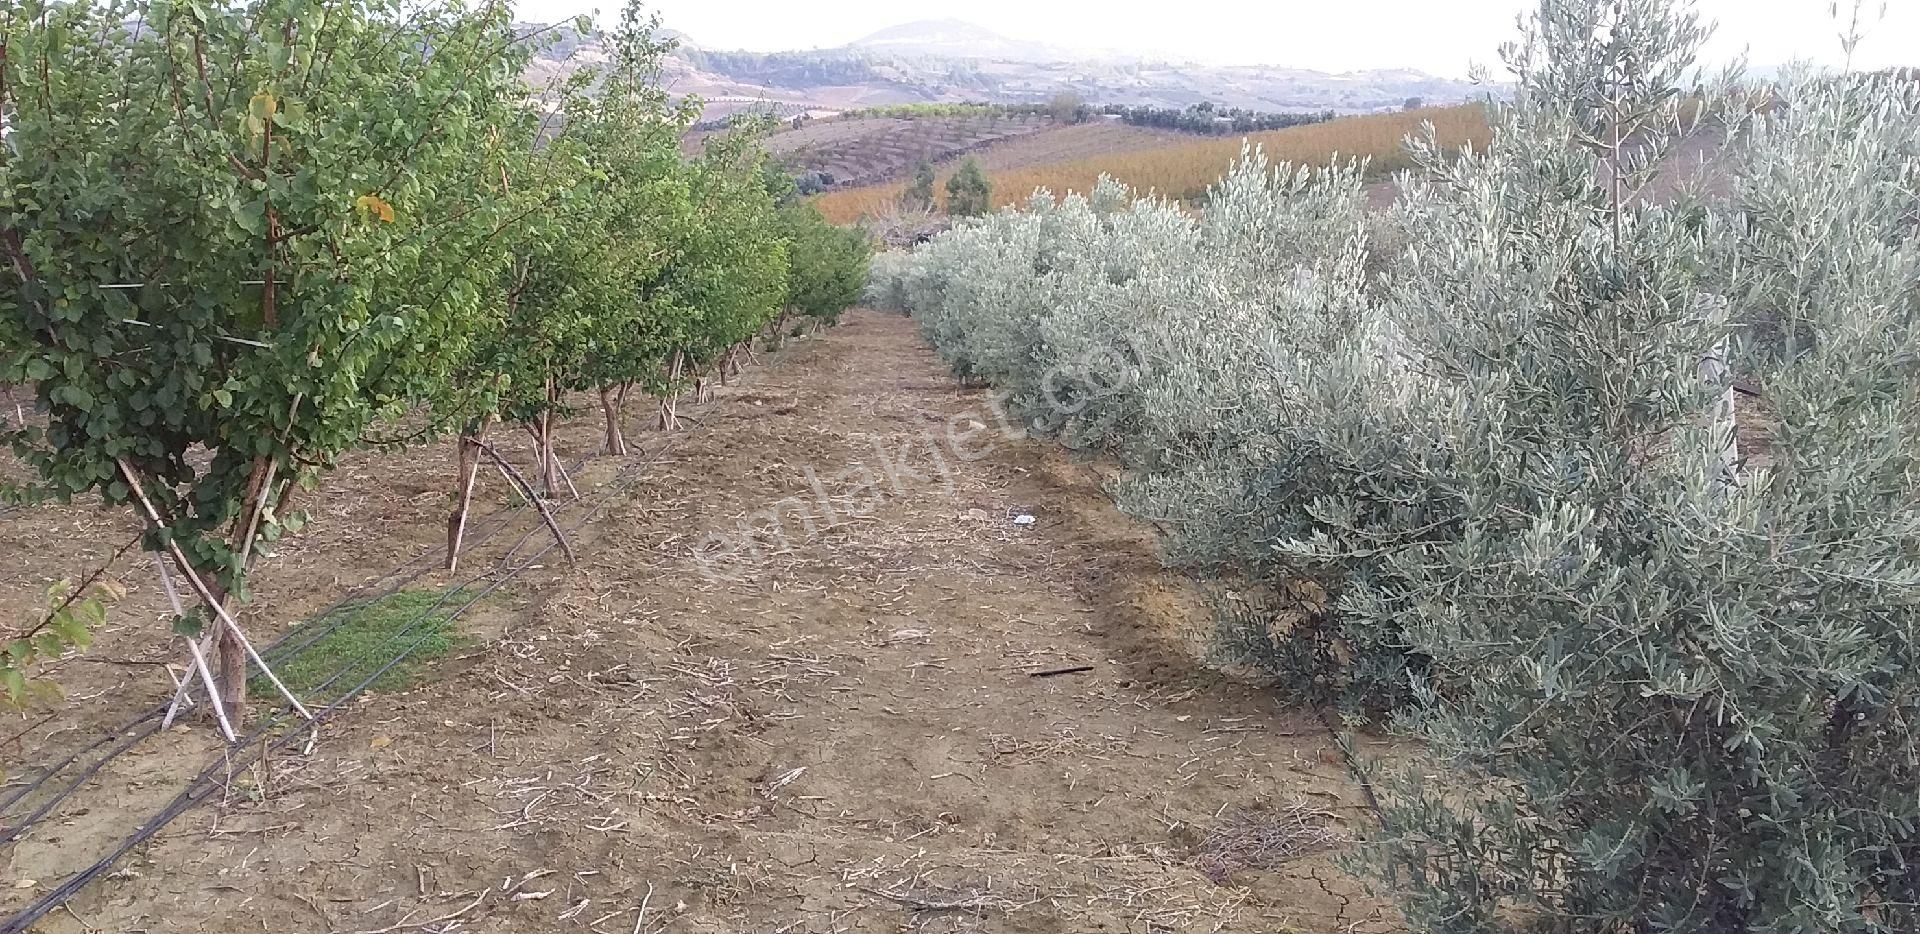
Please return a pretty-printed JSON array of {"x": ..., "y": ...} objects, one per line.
[{"x": 1439, "y": 36}]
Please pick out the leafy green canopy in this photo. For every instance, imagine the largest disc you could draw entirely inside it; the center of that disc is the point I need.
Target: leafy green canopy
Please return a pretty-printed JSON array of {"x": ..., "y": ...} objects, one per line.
[
  {"x": 1672, "y": 699},
  {"x": 729, "y": 276},
  {"x": 250, "y": 229},
  {"x": 918, "y": 195},
  {"x": 969, "y": 193},
  {"x": 827, "y": 265},
  {"x": 606, "y": 194}
]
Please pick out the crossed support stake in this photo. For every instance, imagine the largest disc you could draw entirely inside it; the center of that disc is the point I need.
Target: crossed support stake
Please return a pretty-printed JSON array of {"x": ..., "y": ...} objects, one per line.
[{"x": 224, "y": 624}]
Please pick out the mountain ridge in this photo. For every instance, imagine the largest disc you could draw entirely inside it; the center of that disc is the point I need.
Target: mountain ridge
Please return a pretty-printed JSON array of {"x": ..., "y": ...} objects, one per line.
[
  {"x": 955, "y": 61},
  {"x": 959, "y": 38}
]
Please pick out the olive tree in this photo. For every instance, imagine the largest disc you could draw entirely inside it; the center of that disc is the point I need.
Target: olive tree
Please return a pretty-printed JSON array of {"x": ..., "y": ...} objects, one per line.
[
  {"x": 1667, "y": 667},
  {"x": 1654, "y": 628}
]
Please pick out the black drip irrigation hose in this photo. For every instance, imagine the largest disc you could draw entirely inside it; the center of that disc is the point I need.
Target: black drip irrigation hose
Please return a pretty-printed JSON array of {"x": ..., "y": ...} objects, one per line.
[
  {"x": 75, "y": 757},
  {"x": 143, "y": 728},
  {"x": 254, "y": 746},
  {"x": 277, "y": 650},
  {"x": 148, "y": 723}
]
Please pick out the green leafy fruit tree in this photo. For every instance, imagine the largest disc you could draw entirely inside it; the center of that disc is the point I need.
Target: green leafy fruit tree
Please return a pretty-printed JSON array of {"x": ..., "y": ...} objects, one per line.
[{"x": 234, "y": 237}]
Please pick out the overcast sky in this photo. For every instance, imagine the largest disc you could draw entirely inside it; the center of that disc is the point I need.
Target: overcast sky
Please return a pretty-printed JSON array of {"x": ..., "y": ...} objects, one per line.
[{"x": 1438, "y": 36}]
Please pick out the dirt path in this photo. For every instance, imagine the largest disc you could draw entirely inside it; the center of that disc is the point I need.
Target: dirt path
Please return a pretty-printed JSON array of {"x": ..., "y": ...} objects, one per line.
[{"x": 709, "y": 730}]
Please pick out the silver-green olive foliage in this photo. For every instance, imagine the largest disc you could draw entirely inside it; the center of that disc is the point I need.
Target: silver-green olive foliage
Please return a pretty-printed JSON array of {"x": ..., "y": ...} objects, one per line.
[{"x": 1484, "y": 457}]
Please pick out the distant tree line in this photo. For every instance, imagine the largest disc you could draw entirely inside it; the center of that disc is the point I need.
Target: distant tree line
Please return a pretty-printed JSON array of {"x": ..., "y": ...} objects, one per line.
[
  {"x": 926, "y": 110},
  {"x": 1207, "y": 119},
  {"x": 1204, "y": 118}
]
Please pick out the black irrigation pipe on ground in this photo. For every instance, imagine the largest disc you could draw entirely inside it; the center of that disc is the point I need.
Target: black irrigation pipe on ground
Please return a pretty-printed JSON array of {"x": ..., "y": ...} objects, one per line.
[
  {"x": 254, "y": 746},
  {"x": 277, "y": 653},
  {"x": 130, "y": 736},
  {"x": 7, "y": 836},
  {"x": 200, "y": 787},
  {"x": 148, "y": 723}
]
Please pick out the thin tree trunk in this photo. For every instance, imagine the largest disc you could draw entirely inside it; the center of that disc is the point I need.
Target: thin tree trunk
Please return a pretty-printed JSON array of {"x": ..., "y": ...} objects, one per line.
[
  {"x": 538, "y": 466},
  {"x": 616, "y": 439},
  {"x": 670, "y": 398},
  {"x": 233, "y": 657},
  {"x": 289, "y": 496},
  {"x": 230, "y": 652},
  {"x": 1723, "y": 464},
  {"x": 469, "y": 472},
  {"x": 541, "y": 466},
  {"x": 520, "y": 483},
  {"x": 229, "y": 645}
]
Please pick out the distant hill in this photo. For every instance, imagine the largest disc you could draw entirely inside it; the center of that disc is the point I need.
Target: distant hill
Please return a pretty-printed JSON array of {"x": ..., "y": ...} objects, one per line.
[
  {"x": 1072, "y": 158},
  {"x": 952, "y": 61},
  {"x": 952, "y": 38}
]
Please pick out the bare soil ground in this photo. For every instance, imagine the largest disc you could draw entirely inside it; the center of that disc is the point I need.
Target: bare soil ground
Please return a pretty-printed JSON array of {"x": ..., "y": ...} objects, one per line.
[
  {"x": 704, "y": 730},
  {"x": 865, "y": 151},
  {"x": 1069, "y": 143},
  {"x": 872, "y": 150}
]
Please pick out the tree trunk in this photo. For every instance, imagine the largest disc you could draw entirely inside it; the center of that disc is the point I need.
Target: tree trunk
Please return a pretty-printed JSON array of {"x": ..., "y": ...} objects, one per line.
[
  {"x": 230, "y": 650},
  {"x": 541, "y": 430},
  {"x": 468, "y": 472},
  {"x": 233, "y": 658},
  {"x": 616, "y": 439},
  {"x": 670, "y": 398},
  {"x": 229, "y": 645},
  {"x": 1723, "y": 464},
  {"x": 548, "y": 460}
]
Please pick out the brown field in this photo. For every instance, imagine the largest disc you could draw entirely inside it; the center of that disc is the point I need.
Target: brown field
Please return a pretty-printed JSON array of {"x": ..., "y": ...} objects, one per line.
[
  {"x": 1185, "y": 169},
  {"x": 846, "y": 735},
  {"x": 1071, "y": 143},
  {"x": 873, "y": 150}
]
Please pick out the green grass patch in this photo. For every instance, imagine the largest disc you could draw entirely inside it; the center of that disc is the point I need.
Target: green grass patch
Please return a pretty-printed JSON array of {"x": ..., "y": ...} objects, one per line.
[{"x": 369, "y": 634}]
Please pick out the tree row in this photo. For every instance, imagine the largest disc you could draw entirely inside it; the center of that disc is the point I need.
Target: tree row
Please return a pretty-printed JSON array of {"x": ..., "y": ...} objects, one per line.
[{"x": 240, "y": 241}]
